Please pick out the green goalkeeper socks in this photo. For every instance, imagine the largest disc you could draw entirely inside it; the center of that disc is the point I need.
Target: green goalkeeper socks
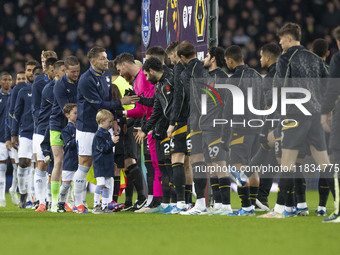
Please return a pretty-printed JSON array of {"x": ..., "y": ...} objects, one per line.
[{"x": 55, "y": 186}]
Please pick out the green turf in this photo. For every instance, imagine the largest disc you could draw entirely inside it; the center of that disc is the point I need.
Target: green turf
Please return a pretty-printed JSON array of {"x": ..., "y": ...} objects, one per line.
[{"x": 25, "y": 232}]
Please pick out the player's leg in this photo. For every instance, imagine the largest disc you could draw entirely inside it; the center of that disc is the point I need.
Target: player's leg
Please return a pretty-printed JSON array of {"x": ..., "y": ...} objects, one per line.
[
  {"x": 107, "y": 194},
  {"x": 150, "y": 176},
  {"x": 66, "y": 186},
  {"x": 165, "y": 206},
  {"x": 84, "y": 141},
  {"x": 335, "y": 216},
  {"x": 240, "y": 154},
  {"x": 96, "y": 197},
  {"x": 58, "y": 154},
  {"x": 157, "y": 185},
  {"x": 165, "y": 150},
  {"x": 115, "y": 190},
  {"x": 189, "y": 179},
  {"x": 133, "y": 173},
  {"x": 13, "y": 189},
  {"x": 25, "y": 155},
  {"x": 199, "y": 168},
  {"x": 178, "y": 147},
  {"x": 116, "y": 179},
  {"x": 300, "y": 187},
  {"x": 217, "y": 157},
  {"x": 323, "y": 188},
  {"x": 3, "y": 168},
  {"x": 40, "y": 174}
]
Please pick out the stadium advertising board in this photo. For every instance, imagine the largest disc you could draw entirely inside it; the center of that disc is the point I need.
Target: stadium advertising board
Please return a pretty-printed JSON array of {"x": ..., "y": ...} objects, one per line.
[{"x": 165, "y": 21}]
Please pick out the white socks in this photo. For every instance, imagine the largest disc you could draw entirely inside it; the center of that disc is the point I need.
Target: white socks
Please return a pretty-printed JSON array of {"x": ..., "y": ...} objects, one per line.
[
  {"x": 106, "y": 199},
  {"x": 96, "y": 197},
  {"x": 22, "y": 183},
  {"x": 69, "y": 197},
  {"x": 289, "y": 209},
  {"x": 31, "y": 180},
  {"x": 279, "y": 208},
  {"x": 200, "y": 203},
  {"x": 164, "y": 205},
  {"x": 302, "y": 205},
  {"x": 14, "y": 185},
  {"x": 49, "y": 194},
  {"x": 217, "y": 206},
  {"x": 3, "y": 168},
  {"x": 148, "y": 201},
  {"x": 40, "y": 185},
  {"x": 322, "y": 208},
  {"x": 79, "y": 183},
  {"x": 64, "y": 188},
  {"x": 85, "y": 191},
  {"x": 227, "y": 207},
  {"x": 181, "y": 205}
]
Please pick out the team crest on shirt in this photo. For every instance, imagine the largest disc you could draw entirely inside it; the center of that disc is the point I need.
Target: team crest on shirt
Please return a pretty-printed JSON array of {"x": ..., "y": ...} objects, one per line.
[
  {"x": 29, "y": 94},
  {"x": 146, "y": 24}
]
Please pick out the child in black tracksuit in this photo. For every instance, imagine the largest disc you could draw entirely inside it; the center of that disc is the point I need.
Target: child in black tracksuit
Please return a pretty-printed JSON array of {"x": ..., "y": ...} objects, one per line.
[{"x": 103, "y": 161}]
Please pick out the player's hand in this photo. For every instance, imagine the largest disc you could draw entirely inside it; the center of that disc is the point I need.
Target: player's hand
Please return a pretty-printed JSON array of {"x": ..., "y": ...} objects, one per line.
[
  {"x": 15, "y": 141},
  {"x": 326, "y": 122},
  {"x": 47, "y": 159},
  {"x": 263, "y": 138},
  {"x": 115, "y": 139},
  {"x": 170, "y": 131},
  {"x": 116, "y": 128},
  {"x": 140, "y": 135},
  {"x": 126, "y": 100},
  {"x": 8, "y": 145}
]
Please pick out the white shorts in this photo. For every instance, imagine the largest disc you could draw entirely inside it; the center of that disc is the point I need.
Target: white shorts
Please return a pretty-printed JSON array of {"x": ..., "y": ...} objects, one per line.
[
  {"x": 4, "y": 153},
  {"x": 25, "y": 148},
  {"x": 105, "y": 181},
  {"x": 84, "y": 142},
  {"x": 37, "y": 140},
  {"x": 13, "y": 154},
  {"x": 67, "y": 175}
]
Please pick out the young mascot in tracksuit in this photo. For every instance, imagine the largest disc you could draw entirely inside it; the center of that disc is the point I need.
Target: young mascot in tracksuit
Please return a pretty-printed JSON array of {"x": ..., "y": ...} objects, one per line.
[
  {"x": 103, "y": 161},
  {"x": 70, "y": 160}
]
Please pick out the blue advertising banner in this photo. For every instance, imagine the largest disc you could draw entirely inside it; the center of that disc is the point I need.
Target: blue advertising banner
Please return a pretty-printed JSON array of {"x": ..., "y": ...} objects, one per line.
[{"x": 165, "y": 21}]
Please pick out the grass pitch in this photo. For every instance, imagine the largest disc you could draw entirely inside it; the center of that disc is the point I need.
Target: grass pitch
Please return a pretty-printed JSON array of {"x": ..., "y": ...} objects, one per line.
[{"x": 24, "y": 231}]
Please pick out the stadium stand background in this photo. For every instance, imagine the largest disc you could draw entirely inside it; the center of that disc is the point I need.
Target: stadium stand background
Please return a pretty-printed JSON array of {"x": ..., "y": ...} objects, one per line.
[{"x": 74, "y": 26}]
